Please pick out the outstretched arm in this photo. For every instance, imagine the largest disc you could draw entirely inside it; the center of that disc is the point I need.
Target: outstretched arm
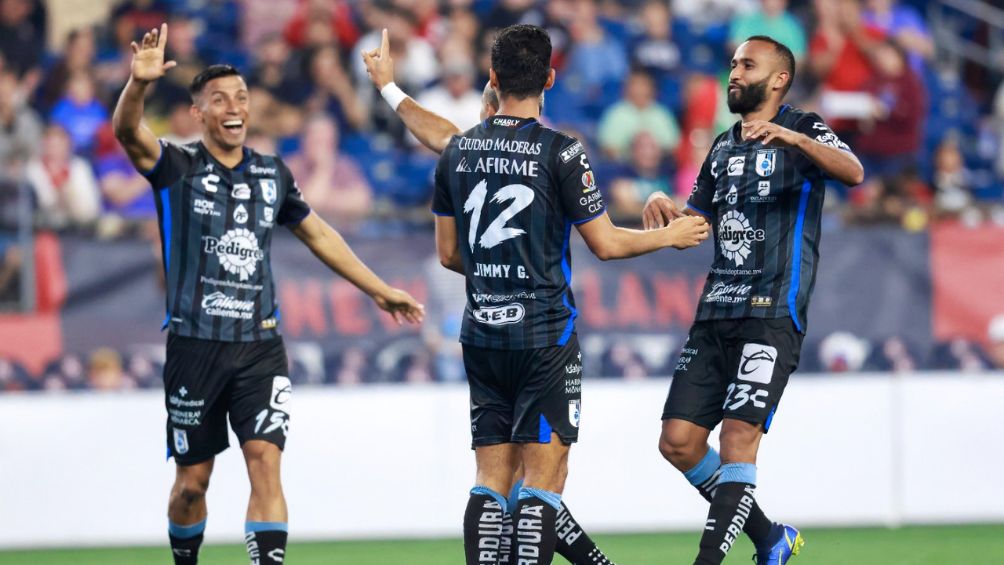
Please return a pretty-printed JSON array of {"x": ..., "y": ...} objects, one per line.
[
  {"x": 608, "y": 241},
  {"x": 431, "y": 129},
  {"x": 329, "y": 246},
  {"x": 147, "y": 66}
]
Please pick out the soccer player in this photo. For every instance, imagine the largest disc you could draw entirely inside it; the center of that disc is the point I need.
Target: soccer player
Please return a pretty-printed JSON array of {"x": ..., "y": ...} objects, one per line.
[
  {"x": 761, "y": 187},
  {"x": 218, "y": 203},
  {"x": 508, "y": 192},
  {"x": 435, "y": 132}
]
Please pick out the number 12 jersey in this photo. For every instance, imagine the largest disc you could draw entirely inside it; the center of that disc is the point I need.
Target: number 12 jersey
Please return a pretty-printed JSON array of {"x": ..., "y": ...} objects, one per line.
[{"x": 516, "y": 188}]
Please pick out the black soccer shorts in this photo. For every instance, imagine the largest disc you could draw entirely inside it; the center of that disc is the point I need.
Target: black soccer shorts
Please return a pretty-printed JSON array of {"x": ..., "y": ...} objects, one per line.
[
  {"x": 733, "y": 369},
  {"x": 206, "y": 380},
  {"x": 523, "y": 395}
]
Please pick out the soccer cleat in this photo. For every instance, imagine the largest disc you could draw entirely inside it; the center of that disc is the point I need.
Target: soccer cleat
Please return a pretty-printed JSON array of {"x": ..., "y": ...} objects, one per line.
[{"x": 788, "y": 543}]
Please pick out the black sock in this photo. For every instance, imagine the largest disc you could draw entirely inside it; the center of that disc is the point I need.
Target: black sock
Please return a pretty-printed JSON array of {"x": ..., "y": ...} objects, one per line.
[
  {"x": 704, "y": 477},
  {"x": 534, "y": 522},
  {"x": 730, "y": 508},
  {"x": 573, "y": 543},
  {"x": 266, "y": 542},
  {"x": 483, "y": 526},
  {"x": 185, "y": 542},
  {"x": 508, "y": 534}
]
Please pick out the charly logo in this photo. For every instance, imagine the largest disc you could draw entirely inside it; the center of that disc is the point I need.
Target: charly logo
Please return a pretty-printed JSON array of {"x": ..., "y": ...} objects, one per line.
[
  {"x": 736, "y": 165},
  {"x": 282, "y": 390},
  {"x": 736, "y": 236},
  {"x": 241, "y": 191},
  {"x": 238, "y": 252},
  {"x": 757, "y": 363},
  {"x": 500, "y": 315}
]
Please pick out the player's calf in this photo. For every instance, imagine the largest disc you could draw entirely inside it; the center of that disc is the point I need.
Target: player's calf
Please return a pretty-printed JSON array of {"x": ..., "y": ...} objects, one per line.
[{"x": 187, "y": 511}]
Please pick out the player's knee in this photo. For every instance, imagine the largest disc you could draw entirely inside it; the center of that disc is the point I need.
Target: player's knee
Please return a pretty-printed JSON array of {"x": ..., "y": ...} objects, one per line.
[
  {"x": 191, "y": 490},
  {"x": 677, "y": 448}
]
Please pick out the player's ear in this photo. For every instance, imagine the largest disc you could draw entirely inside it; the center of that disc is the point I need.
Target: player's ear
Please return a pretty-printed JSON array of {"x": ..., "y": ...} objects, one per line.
[
  {"x": 550, "y": 79},
  {"x": 781, "y": 80},
  {"x": 493, "y": 79},
  {"x": 195, "y": 112}
]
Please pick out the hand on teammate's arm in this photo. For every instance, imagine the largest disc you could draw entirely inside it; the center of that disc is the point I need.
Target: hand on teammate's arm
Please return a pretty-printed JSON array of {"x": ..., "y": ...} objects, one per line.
[
  {"x": 432, "y": 130},
  {"x": 147, "y": 66},
  {"x": 659, "y": 211},
  {"x": 608, "y": 241},
  {"x": 329, "y": 246},
  {"x": 840, "y": 164}
]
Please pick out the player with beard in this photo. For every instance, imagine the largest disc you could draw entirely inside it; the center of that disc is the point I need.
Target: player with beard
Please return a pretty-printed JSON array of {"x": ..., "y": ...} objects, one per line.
[
  {"x": 218, "y": 203},
  {"x": 435, "y": 132},
  {"x": 761, "y": 187}
]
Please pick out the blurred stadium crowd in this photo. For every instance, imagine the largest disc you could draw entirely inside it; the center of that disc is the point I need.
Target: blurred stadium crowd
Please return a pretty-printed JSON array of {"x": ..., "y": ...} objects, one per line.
[{"x": 641, "y": 82}]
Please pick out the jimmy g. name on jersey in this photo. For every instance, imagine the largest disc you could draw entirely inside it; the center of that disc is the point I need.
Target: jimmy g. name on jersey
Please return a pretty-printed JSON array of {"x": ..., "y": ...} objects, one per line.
[{"x": 498, "y": 271}]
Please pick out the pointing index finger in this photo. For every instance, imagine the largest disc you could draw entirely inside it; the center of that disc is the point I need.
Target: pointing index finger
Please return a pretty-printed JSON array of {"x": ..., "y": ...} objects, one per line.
[{"x": 384, "y": 44}]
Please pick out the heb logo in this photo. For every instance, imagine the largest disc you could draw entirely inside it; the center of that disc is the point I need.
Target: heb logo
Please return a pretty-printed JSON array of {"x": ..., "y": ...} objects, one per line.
[{"x": 500, "y": 315}]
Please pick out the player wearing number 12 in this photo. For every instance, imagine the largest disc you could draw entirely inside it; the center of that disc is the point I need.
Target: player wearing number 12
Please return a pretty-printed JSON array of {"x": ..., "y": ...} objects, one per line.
[
  {"x": 761, "y": 187},
  {"x": 508, "y": 193},
  {"x": 219, "y": 203}
]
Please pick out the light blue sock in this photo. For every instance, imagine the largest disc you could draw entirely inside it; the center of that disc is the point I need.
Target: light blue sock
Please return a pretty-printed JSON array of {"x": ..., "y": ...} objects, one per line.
[
  {"x": 186, "y": 532},
  {"x": 514, "y": 495},
  {"x": 482, "y": 490},
  {"x": 738, "y": 473},
  {"x": 553, "y": 499}
]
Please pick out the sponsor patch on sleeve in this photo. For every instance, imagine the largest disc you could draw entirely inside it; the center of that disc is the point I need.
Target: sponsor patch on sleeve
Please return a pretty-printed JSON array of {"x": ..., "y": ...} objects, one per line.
[{"x": 571, "y": 151}]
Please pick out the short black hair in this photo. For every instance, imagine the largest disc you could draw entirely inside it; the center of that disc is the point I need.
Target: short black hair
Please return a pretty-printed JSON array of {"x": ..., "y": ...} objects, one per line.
[
  {"x": 211, "y": 72},
  {"x": 521, "y": 59},
  {"x": 782, "y": 51}
]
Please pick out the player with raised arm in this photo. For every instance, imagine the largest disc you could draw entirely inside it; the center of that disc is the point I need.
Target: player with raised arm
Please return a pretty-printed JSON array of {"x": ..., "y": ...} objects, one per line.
[
  {"x": 507, "y": 194},
  {"x": 435, "y": 132},
  {"x": 761, "y": 187},
  {"x": 218, "y": 203}
]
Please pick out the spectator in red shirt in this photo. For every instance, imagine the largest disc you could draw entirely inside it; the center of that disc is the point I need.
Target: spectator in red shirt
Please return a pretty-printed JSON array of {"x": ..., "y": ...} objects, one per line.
[
  {"x": 336, "y": 13},
  {"x": 839, "y": 53}
]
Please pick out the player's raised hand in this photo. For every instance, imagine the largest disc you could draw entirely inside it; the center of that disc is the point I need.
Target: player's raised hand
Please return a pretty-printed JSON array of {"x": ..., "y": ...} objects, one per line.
[
  {"x": 401, "y": 305},
  {"x": 688, "y": 231},
  {"x": 770, "y": 134},
  {"x": 148, "y": 57},
  {"x": 659, "y": 211},
  {"x": 379, "y": 64}
]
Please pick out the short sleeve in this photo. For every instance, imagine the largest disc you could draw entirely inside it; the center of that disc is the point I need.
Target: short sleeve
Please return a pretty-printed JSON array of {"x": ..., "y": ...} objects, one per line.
[
  {"x": 703, "y": 194},
  {"x": 815, "y": 127},
  {"x": 580, "y": 195},
  {"x": 173, "y": 163},
  {"x": 442, "y": 204},
  {"x": 293, "y": 208}
]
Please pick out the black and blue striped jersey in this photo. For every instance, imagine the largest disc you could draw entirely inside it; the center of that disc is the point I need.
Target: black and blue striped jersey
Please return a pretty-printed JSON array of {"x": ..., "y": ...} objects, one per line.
[
  {"x": 765, "y": 205},
  {"x": 216, "y": 227},
  {"x": 516, "y": 188}
]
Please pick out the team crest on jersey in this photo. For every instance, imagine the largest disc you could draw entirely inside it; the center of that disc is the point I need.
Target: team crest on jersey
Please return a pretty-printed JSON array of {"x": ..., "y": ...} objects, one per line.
[
  {"x": 574, "y": 412},
  {"x": 180, "y": 441},
  {"x": 765, "y": 159},
  {"x": 268, "y": 190},
  {"x": 736, "y": 236}
]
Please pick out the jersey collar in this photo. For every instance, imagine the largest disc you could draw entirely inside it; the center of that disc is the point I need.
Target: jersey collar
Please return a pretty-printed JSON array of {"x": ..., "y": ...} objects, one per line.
[
  {"x": 737, "y": 128},
  {"x": 245, "y": 158},
  {"x": 510, "y": 122}
]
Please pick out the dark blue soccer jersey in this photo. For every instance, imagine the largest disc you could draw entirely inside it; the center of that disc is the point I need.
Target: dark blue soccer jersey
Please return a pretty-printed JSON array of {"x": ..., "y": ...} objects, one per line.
[
  {"x": 216, "y": 229},
  {"x": 765, "y": 205},
  {"x": 516, "y": 188}
]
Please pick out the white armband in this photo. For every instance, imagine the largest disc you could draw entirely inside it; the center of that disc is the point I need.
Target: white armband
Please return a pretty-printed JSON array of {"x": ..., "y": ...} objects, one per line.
[{"x": 393, "y": 94}]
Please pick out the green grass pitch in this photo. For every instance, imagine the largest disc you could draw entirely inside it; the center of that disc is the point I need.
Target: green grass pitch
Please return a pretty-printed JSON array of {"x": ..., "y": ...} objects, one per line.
[{"x": 949, "y": 545}]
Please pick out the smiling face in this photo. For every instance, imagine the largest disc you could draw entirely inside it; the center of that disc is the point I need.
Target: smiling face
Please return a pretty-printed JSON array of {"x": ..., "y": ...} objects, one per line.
[{"x": 222, "y": 110}]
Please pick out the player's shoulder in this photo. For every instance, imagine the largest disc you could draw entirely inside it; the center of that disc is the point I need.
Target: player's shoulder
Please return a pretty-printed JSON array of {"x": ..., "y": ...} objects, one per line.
[
  {"x": 794, "y": 117},
  {"x": 568, "y": 146}
]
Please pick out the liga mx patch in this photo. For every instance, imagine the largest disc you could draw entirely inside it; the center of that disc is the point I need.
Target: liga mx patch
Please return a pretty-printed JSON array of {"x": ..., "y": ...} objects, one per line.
[
  {"x": 180, "y": 441},
  {"x": 574, "y": 412},
  {"x": 757, "y": 363},
  {"x": 282, "y": 391}
]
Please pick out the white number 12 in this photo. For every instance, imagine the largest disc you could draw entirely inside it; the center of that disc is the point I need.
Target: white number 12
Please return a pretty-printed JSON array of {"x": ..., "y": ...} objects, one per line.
[{"x": 497, "y": 232}]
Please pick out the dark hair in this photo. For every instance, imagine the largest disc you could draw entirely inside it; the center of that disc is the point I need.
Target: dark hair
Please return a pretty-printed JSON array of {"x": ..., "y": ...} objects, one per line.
[
  {"x": 782, "y": 51},
  {"x": 521, "y": 59},
  {"x": 211, "y": 72}
]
